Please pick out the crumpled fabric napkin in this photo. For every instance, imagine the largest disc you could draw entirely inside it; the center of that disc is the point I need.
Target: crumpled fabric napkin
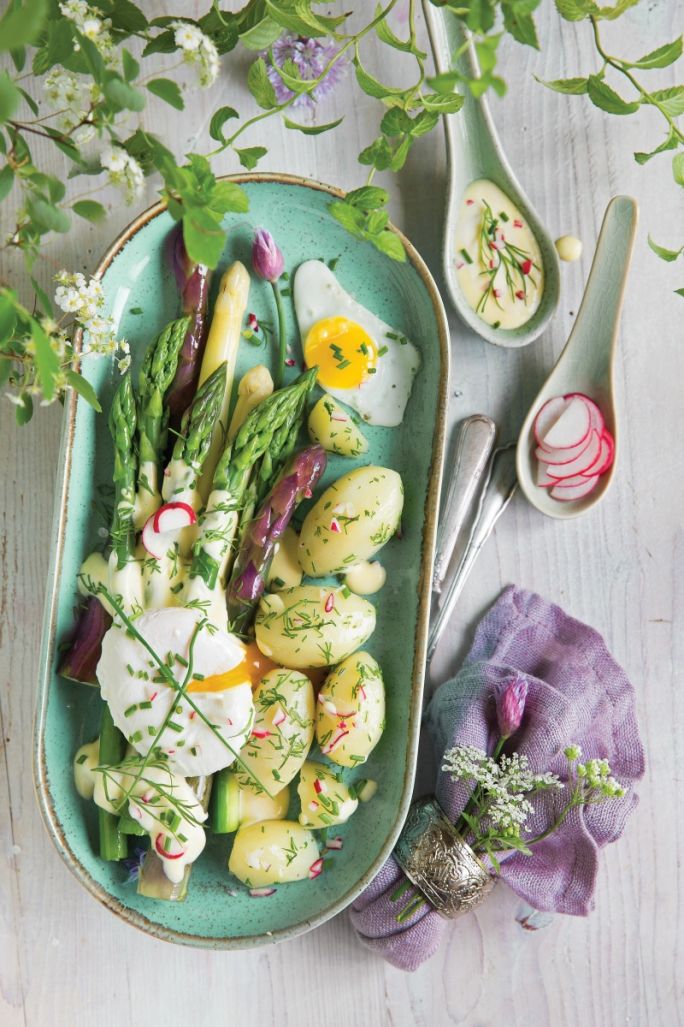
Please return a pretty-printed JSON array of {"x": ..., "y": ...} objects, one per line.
[{"x": 577, "y": 694}]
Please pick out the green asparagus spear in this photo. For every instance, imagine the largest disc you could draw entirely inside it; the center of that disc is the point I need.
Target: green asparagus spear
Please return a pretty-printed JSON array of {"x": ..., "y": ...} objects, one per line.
[
  {"x": 193, "y": 441},
  {"x": 275, "y": 419},
  {"x": 113, "y": 842},
  {"x": 156, "y": 376},
  {"x": 122, "y": 424}
]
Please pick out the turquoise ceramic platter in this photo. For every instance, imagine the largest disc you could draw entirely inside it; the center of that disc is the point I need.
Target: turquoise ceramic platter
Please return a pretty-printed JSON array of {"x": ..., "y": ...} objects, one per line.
[{"x": 141, "y": 297}]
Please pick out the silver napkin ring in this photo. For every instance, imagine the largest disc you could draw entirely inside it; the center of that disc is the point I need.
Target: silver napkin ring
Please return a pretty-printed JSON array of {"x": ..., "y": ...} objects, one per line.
[{"x": 439, "y": 862}]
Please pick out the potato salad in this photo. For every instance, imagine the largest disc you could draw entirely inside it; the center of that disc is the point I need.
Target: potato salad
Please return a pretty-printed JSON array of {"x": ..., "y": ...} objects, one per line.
[{"x": 228, "y": 621}]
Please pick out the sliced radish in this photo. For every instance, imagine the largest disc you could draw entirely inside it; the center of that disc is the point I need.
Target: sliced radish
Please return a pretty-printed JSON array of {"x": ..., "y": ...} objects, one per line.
[
  {"x": 173, "y": 517},
  {"x": 562, "y": 456},
  {"x": 544, "y": 479},
  {"x": 334, "y": 843},
  {"x": 261, "y": 893},
  {"x": 569, "y": 493},
  {"x": 154, "y": 542},
  {"x": 607, "y": 454},
  {"x": 580, "y": 464},
  {"x": 597, "y": 421},
  {"x": 571, "y": 428},
  {"x": 316, "y": 868},
  {"x": 548, "y": 415}
]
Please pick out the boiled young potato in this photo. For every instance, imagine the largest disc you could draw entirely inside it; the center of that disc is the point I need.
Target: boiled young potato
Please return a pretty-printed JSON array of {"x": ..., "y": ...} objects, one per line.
[
  {"x": 312, "y": 625},
  {"x": 351, "y": 711},
  {"x": 273, "y": 852},
  {"x": 351, "y": 521},
  {"x": 282, "y": 733},
  {"x": 332, "y": 427},
  {"x": 325, "y": 799}
]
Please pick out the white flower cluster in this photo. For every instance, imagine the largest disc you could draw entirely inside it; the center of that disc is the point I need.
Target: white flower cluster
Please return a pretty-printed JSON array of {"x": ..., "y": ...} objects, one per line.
[
  {"x": 92, "y": 24},
  {"x": 84, "y": 299},
  {"x": 123, "y": 171},
  {"x": 73, "y": 97},
  {"x": 197, "y": 49}
]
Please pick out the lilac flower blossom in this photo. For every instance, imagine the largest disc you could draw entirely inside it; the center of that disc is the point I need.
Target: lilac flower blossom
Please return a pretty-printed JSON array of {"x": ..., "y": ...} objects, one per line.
[{"x": 311, "y": 56}]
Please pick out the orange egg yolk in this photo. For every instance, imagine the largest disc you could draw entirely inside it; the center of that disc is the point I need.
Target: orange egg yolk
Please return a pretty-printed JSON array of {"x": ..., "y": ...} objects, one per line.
[
  {"x": 343, "y": 350},
  {"x": 249, "y": 670}
]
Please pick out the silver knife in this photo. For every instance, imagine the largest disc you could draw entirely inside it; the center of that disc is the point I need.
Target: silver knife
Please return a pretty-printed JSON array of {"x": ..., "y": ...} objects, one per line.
[
  {"x": 497, "y": 492},
  {"x": 474, "y": 444}
]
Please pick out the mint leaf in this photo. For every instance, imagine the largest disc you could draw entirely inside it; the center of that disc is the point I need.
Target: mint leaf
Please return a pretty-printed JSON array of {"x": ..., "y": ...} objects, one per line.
[
  {"x": 678, "y": 168},
  {"x": 520, "y": 25},
  {"x": 663, "y": 252},
  {"x": 260, "y": 35},
  {"x": 575, "y": 10},
  {"x": 367, "y": 197},
  {"x": 47, "y": 361},
  {"x": 260, "y": 85},
  {"x": 679, "y": 292},
  {"x": 9, "y": 97},
  {"x": 251, "y": 155},
  {"x": 444, "y": 103},
  {"x": 218, "y": 120},
  {"x": 83, "y": 387},
  {"x": 47, "y": 217},
  {"x": 24, "y": 412},
  {"x": 604, "y": 97},
  {"x": 90, "y": 210},
  {"x": 6, "y": 181},
  {"x": 671, "y": 100},
  {"x": 121, "y": 95},
  {"x": 312, "y": 130},
  {"x": 372, "y": 87},
  {"x": 203, "y": 237},
  {"x": 570, "y": 86},
  {"x": 660, "y": 58},
  {"x": 168, "y": 91},
  {"x": 131, "y": 68},
  {"x": 671, "y": 143},
  {"x": 389, "y": 243},
  {"x": 21, "y": 24},
  {"x": 386, "y": 35}
]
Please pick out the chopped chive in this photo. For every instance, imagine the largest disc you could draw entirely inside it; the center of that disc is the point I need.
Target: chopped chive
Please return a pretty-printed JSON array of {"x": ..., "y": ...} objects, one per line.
[
  {"x": 496, "y": 324},
  {"x": 136, "y": 737},
  {"x": 503, "y": 215},
  {"x": 466, "y": 256},
  {"x": 146, "y": 705},
  {"x": 173, "y": 726},
  {"x": 82, "y": 758},
  {"x": 382, "y": 351},
  {"x": 130, "y": 710},
  {"x": 372, "y": 370}
]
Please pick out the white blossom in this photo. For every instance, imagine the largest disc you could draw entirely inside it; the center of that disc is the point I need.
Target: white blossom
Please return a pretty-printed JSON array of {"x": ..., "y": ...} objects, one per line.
[
  {"x": 197, "y": 49},
  {"x": 92, "y": 24},
  {"x": 123, "y": 171}
]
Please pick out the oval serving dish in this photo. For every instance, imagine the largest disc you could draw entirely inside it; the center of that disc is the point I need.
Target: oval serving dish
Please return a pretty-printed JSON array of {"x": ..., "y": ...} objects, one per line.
[{"x": 141, "y": 297}]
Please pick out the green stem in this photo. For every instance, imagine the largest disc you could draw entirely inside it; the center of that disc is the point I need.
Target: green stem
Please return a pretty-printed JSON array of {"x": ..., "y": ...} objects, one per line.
[
  {"x": 282, "y": 336},
  {"x": 646, "y": 97},
  {"x": 113, "y": 842}
]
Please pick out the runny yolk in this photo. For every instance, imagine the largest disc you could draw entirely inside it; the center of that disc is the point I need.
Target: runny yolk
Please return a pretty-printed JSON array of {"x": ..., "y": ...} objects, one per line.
[
  {"x": 250, "y": 670},
  {"x": 343, "y": 350}
]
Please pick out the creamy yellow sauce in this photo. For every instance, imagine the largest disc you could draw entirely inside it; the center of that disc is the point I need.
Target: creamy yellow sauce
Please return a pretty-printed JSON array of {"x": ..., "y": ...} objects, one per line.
[{"x": 498, "y": 261}]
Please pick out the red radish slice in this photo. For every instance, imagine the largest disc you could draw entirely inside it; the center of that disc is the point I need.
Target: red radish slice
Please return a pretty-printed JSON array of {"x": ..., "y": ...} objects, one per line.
[
  {"x": 334, "y": 843},
  {"x": 261, "y": 893},
  {"x": 154, "y": 542},
  {"x": 572, "y": 492},
  {"x": 606, "y": 455},
  {"x": 547, "y": 416},
  {"x": 173, "y": 517},
  {"x": 571, "y": 428},
  {"x": 316, "y": 868},
  {"x": 561, "y": 456},
  {"x": 597, "y": 421},
  {"x": 159, "y": 846},
  {"x": 571, "y": 483},
  {"x": 582, "y": 463},
  {"x": 544, "y": 479}
]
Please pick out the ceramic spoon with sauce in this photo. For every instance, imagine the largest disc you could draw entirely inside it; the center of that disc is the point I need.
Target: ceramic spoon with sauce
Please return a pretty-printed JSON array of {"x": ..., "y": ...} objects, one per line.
[
  {"x": 587, "y": 361},
  {"x": 475, "y": 156}
]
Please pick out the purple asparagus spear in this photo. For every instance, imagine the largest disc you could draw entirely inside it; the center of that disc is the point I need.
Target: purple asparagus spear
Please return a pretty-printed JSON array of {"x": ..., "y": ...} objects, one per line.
[
  {"x": 193, "y": 281},
  {"x": 85, "y": 647},
  {"x": 248, "y": 580}
]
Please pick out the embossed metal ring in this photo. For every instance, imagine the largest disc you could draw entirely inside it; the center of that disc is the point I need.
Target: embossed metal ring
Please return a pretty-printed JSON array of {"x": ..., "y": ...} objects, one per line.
[{"x": 439, "y": 862}]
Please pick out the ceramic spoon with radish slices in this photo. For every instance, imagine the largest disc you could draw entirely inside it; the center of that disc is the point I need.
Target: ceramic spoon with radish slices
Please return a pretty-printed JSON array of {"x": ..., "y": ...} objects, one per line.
[{"x": 568, "y": 444}]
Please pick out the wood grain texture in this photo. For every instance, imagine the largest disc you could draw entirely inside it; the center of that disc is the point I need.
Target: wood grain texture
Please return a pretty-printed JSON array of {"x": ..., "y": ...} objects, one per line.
[{"x": 66, "y": 961}]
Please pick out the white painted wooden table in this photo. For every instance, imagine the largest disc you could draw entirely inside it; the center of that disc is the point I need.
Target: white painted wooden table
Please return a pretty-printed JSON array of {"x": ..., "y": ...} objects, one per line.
[{"x": 65, "y": 961}]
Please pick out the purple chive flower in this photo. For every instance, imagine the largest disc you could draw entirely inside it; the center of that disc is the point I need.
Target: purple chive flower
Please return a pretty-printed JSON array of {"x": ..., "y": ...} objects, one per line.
[
  {"x": 311, "y": 57},
  {"x": 133, "y": 863},
  {"x": 510, "y": 704},
  {"x": 267, "y": 259}
]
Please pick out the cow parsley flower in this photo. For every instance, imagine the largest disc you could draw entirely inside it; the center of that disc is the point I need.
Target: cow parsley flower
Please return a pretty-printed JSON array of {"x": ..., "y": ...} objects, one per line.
[
  {"x": 197, "y": 49},
  {"x": 73, "y": 97},
  {"x": 123, "y": 171},
  {"x": 311, "y": 57}
]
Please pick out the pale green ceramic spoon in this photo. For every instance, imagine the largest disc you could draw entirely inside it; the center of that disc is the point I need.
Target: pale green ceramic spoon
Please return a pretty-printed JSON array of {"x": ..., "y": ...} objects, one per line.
[
  {"x": 587, "y": 362},
  {"x": 474, "y": 151}
]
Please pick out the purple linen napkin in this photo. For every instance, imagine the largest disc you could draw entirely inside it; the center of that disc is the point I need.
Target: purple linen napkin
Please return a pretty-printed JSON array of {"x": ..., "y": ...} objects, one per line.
[{"x": 577, "y": 694}]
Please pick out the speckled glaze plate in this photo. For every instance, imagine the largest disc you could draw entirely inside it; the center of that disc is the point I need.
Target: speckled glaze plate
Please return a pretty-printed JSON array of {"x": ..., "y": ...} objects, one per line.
[{"x": 141, "y": 297}]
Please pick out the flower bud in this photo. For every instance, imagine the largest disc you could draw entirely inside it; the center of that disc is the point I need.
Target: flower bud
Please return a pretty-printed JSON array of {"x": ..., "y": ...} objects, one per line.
[
  {"x": 267, "y": 260},
  {"x": 510, "y": 704}
]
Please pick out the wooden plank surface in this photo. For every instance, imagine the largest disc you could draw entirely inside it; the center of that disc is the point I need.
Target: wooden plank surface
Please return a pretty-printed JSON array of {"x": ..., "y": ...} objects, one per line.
[{"x": 64, "y": 961}]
